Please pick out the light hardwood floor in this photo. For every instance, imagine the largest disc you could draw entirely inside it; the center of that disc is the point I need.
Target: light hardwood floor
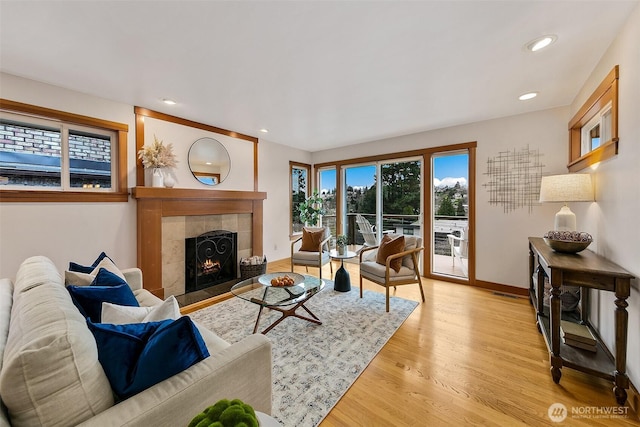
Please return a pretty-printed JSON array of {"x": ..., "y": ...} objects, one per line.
[{"x": 466, "y": 356}]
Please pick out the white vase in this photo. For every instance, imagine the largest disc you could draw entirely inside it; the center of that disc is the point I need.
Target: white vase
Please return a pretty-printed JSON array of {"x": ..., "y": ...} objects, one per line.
[
  {"x": 169, "y": 180},
  {"x": 157, "y": 180}
]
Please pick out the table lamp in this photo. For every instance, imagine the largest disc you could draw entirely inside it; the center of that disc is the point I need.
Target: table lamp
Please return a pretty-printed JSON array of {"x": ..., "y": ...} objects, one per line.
[{"x": 573, "y": 187}]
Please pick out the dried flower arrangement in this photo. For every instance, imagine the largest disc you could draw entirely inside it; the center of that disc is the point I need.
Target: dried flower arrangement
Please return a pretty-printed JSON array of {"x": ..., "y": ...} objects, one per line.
[{"x": 157, "y": 155}]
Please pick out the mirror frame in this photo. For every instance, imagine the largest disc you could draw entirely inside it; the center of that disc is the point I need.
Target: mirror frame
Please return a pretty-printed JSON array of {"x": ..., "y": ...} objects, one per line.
[
  {"x": 598, "y": 102},
  {"x": 203, "y": 177}
]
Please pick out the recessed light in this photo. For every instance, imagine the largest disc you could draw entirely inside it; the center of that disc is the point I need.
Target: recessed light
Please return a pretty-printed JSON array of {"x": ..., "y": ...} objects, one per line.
[
  {"x": 529, "y": 95},
  {"x": 169, "y": 101},
  {"x": 541, "y": 42},
  {"x": 264, "y": 130},
  {"x": 208, "y": 163}
]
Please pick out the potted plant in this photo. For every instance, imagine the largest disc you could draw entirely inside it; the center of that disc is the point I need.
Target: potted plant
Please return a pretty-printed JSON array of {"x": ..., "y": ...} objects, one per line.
[
  {"x": 311, "y": 209},
  {"x": 341, "y": 243}
]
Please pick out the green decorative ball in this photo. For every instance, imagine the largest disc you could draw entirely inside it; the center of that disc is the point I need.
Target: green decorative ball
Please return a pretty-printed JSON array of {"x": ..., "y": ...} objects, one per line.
[{"x": 225, "y": 413}]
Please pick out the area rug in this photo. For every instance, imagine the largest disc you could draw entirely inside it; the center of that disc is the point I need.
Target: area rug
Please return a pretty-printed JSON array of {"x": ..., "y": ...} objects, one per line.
[{"x": 314, "y": 365}]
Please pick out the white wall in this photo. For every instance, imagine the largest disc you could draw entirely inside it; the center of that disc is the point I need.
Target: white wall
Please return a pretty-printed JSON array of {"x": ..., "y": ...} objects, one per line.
[
  {"x": 80, "y": 231},
  {"x": 501, "y": 238},
  {"x": 67, "y": 231},
  {"x": 273, "y": 172},
  {"x": 613, "y": 220}
]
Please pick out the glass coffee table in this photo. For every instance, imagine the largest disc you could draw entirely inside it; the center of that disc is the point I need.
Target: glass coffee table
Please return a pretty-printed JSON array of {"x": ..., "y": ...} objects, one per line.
[{"x": 284, "y": 299}]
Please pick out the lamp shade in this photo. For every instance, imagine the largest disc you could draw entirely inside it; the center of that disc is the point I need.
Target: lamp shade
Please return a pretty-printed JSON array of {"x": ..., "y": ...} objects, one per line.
[{"x": 573, "y": 187}]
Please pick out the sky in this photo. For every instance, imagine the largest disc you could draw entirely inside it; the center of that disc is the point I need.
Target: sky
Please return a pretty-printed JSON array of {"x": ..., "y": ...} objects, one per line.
[{"x": 448, "y": 170}]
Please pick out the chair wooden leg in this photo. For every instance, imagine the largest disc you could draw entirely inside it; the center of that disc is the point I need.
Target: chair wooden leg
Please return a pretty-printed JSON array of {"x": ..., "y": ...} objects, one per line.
[
  {"x": 421, "y": 291},
  {"x": 387, "y": 287},
  {"x": 360, "y": 286}
]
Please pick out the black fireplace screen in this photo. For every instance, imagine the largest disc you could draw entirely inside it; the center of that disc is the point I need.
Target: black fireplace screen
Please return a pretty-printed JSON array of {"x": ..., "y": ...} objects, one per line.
[{"x": 210, "y": 259}]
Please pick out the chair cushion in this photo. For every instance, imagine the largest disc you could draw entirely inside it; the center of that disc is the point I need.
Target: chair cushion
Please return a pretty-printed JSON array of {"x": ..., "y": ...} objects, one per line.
[
  {"x": 390, "y": 246},
  {"x": 376, "y": 272},
  {"x": 311, "y": 239},
  {"x": 310, "y": 258}
]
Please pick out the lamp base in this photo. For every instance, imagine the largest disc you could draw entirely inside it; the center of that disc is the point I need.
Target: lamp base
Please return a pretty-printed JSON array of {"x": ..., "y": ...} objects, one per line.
[{"x": 565, "y": 220}]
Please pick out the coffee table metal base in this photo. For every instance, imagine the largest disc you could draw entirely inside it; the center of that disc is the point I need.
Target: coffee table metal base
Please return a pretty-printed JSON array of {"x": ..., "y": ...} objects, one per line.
[{"x": 286, "y": 312}]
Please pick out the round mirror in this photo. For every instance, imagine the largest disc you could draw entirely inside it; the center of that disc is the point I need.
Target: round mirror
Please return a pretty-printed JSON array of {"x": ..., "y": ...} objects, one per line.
[{"x": 209, "y": 161}]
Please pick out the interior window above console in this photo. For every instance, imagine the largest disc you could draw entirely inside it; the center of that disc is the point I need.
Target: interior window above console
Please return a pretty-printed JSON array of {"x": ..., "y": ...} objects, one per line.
[{"x": 593, "y": 131}]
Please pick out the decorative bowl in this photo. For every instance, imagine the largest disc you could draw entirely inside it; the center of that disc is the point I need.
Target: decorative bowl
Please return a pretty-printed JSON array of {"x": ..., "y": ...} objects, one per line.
[{"x": 570, "y": 242}]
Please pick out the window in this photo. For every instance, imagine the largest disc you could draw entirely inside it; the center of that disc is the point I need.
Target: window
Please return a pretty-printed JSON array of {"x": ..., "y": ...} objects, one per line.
[
  {"x": 593, "y": 131},
  {"x": 48, "y": 155},
  {"x": 300, "y": 186}
]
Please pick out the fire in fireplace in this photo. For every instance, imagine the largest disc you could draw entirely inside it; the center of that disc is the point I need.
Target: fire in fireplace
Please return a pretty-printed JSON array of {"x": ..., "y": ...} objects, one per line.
[{"x": 210, "y": 259}]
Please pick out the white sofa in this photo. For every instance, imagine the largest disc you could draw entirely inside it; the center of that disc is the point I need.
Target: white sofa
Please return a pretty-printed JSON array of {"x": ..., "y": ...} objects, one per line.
[{"x": 50, "y": 374}]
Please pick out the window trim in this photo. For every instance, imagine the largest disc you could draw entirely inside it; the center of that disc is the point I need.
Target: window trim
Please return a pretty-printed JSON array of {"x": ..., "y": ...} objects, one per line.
[
  {"x": 598, "y": 104},
  {"x": 297, "y": 165},
  {"x": 119, "y": 194}
]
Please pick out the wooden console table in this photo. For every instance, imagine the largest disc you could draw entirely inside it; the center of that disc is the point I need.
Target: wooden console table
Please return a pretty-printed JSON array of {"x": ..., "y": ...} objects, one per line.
[{"x": 587, "y": 270}]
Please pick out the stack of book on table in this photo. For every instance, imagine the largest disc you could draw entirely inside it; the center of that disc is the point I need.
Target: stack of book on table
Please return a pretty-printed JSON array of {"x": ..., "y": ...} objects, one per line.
[{"x": 577, "y": 335}]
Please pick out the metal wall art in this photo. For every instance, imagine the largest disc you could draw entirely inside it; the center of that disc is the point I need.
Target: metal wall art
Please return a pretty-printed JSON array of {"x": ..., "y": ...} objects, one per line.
[{"x": 514, "y": 179}]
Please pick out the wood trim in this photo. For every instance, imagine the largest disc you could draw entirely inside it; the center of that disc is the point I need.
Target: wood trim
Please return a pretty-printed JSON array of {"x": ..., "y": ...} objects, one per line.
[
  {"x": 194, "y": 194},
  {"x": 605, "y": 151},
  {"x": 607, "y": 91},
  {"x": 62, "y": 196},
  {"x": 49, "y": 113},
  {"x": 602, "y": 88},
  {"x": 186, "y": 122},
  {"x": 471, "y": 195},
  {"x": 121, "y": 162},
  {"x": 155, "y": 203},
  {"x": 139, "y": 143},
  {"x": 401, "y": 154},
  {"x": 141, "y": 113},
  {"x": 506, "y": 289}
]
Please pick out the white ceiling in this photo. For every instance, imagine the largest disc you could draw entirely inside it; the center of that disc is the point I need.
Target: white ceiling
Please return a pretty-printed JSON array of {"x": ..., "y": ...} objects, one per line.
[{"x": 317, "y": 74}]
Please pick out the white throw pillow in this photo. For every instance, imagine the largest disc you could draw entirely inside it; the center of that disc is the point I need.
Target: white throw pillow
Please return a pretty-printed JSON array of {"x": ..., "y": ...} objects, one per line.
[
  {"x": 121, "y": 314},
  {"x": 84, "y": 279}
]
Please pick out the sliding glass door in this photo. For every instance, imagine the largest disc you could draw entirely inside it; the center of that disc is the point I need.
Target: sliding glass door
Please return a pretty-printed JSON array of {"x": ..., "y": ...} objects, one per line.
[{"x": 394, "y": 206}]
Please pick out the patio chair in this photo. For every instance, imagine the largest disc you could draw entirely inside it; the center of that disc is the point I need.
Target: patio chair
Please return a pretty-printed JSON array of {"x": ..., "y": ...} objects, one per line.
[
  {"x": 459, "y": 248},
  {"x": 314, "y": 249},
  {"x": 399, "y": 268},
  {"x": 367, "y": 231}
]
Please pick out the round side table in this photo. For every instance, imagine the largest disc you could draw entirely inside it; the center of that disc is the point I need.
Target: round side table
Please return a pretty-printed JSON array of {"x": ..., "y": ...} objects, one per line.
[{"x": 342, "y": 281}]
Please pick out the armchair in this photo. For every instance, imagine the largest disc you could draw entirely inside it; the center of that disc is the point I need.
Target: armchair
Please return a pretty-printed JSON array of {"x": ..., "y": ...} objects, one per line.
[
  {"x": 314, "y": 249},
  {"x": 385, "y": 275}
]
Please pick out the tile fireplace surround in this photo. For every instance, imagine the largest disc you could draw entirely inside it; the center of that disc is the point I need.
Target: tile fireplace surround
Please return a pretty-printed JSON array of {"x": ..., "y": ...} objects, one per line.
[{"x": 166, "y": 216}]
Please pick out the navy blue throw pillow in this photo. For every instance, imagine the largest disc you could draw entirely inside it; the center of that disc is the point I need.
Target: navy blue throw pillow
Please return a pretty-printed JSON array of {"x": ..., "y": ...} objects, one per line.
[
  {"x": 138, "y": 355},
  {"x": 89, "y": 299},
  {"x": 107, "y": 278},
  {"x": 87, "y": 269}
]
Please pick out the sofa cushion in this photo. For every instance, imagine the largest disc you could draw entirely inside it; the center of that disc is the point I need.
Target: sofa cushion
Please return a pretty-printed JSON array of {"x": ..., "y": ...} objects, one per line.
[
  {"x": 50, "y": 373},
  {"x": 73, "y": 266},
  {"x": 138, "y": 355},
  {"x": 121, "y": 314},
  {"x": 89, "y": 299},
  {"x": 84, "y": 279}
]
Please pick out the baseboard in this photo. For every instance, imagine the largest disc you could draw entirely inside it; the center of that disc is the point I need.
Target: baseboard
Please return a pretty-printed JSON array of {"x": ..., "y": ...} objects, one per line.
[
  {"x": 505, "y": 289},
  {"x": 633, "y": 397}
]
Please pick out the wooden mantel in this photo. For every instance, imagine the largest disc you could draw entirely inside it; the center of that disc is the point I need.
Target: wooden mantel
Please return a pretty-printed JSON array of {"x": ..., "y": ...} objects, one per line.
[{"x": 155, "y": 203}]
